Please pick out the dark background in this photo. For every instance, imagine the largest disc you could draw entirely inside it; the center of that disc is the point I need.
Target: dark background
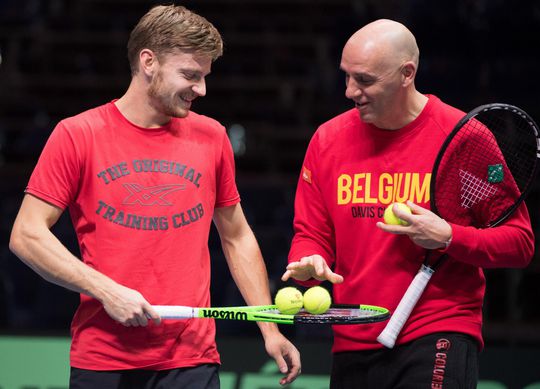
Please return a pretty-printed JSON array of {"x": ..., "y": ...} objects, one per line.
[{"x": 278, "y": 80}]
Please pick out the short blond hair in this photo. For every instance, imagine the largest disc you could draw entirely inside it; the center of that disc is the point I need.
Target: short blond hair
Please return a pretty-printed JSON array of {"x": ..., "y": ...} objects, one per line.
[{"x": 166, "y": 28}]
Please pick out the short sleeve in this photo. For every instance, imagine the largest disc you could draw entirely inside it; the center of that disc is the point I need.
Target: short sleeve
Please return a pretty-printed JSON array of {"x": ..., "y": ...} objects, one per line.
[
  {"x": 226, "y": 190},
  {"x": 55, "y": 178}
]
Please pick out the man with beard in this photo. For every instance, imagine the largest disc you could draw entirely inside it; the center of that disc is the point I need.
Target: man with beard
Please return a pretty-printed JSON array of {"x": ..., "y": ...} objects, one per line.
[{"x": 143, "y": 228}]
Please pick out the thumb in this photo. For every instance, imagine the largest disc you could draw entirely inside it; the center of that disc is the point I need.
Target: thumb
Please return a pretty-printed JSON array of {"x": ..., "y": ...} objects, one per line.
[{"x": 282, "y": 365}]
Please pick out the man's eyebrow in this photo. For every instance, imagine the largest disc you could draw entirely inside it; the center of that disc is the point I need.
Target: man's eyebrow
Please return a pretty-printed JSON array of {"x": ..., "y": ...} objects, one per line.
[
  {"x": 360, "y": 74},
  {"x": 194, "y": 71}
]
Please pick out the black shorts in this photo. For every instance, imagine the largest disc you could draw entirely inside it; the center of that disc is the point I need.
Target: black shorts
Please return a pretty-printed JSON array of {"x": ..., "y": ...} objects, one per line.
[
  {"x": 199, "y": 377},
  {"x": 436, "y": 361}
]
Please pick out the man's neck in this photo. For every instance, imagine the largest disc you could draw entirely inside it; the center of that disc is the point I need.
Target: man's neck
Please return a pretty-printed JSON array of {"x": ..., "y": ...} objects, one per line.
[
  {"x": 407, "y": 112},
  {"x": 135, "y": 106}
]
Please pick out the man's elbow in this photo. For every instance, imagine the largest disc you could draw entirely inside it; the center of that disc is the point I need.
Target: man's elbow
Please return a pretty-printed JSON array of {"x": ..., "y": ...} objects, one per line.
[
  {"x": 16, "y": 241},
  {"x": 526, "y": 252},
  {"x": 21, "y": 238},
  {"x": 529, "y": 252}
]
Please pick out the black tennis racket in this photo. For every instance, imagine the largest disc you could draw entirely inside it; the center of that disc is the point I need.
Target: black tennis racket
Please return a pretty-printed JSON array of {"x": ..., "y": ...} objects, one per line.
[
  {"x": 337, "y": 314},
  {"x": 483, "y": 172}
]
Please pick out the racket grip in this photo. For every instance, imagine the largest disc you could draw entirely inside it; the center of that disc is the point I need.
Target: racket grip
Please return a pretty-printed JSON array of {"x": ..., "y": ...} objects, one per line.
[
  {"x": 390, "y": 333},
  {"x": 175, "y": 311}
]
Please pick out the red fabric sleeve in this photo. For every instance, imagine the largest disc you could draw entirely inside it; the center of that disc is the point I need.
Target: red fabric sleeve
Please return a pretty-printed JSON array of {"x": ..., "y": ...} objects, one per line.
[
  {"x": 56, "y": 176},
  {"x": 227, "y": 192},
  {"x": 313, "y": 227},
  {"x": 508, "y": 245}
]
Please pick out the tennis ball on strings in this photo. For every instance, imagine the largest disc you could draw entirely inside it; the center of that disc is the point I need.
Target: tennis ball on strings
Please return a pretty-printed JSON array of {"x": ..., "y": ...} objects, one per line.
[
  {"x": 317, "y": 300},
  {"x": 391, "y": 218},
  {"x": 289, "y": 300}
]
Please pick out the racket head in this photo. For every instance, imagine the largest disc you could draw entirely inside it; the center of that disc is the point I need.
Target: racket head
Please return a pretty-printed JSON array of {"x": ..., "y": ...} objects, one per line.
[
  {"x": 344, "y": 314},
  {"x": 486, "y": 166}
]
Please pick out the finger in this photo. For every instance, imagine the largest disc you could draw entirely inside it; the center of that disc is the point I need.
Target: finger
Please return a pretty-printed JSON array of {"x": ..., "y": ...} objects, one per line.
[
  {"x": 416, "y": 209},
  {"x": 306, "y": 261},
  {"x": 286, "y": 275},
  {"x": 130, "y": 323},
  {"x": 294, "y": 368},
  {"x": 296, "y": 265},
  {"x": 405, "y": 216},
  {"x": 141, "y": 320},
  {"x": 135, "y": 322},
  {"x": 334, "y": 278},
  {"x": 319, "y": 267},
  {"x": 290, "y": 377},
  {"x": 282, "y": 365},
  {"x": 393, "y": 229},
  {"x": 151, "y": 314}
]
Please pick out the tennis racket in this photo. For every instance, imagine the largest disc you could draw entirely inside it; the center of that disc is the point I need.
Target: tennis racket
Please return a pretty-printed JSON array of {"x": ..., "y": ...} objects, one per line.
[
  {"x": 483, "y": 172},
  {"x": 337, "y": 314}
]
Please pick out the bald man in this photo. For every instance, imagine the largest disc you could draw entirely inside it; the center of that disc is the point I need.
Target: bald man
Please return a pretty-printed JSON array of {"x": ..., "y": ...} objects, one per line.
[{"x": 379, "y": 152}]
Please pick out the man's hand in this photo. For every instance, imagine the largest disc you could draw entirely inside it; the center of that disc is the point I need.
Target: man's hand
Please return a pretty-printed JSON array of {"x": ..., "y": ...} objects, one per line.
[
  {"x": 425, "y": 228},
  {"x": 285, "y": 354},
  {"x": 129, "y": 307},
  {"x": 313, "y": 266}
]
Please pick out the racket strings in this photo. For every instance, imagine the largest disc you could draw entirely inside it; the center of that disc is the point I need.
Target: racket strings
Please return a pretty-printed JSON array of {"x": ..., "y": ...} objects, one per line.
[
  {"x": 343, "y": 316},
  {"x": 474, "y": 189},
  {"x": 516, "y": 141},
  {"x": 486, "y": 167}
]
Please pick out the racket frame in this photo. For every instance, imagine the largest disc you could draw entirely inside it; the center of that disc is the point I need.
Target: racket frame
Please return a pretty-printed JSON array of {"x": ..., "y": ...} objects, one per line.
[
  {"x": 270, "y": 313},
  {"x": 472, "y": 114},
  {"x": 415, "y": 290}
]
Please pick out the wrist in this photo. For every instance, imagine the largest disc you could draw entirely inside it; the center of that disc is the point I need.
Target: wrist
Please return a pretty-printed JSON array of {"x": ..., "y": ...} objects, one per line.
[
  {"x": 447, "y": 243},
  {"x": 268, "y": 329}
]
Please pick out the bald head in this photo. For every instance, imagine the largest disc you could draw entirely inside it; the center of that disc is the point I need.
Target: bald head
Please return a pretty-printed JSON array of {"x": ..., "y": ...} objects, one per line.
[
  {"x": 386, "y": 41},
  {"x": 380, "y": 62}
]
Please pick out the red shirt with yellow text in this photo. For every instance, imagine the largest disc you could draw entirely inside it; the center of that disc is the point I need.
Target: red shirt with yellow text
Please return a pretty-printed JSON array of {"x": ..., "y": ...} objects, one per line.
[{"x": 352, "y": 171}]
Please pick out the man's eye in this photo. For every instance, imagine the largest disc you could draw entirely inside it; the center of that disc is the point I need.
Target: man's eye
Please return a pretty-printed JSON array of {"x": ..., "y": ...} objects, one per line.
[
  {"x": 364, "y": 80},
  {"x": 191, "y": 76}
]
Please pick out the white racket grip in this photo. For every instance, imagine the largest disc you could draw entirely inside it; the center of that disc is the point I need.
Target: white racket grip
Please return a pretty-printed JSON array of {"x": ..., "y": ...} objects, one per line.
[
  {"x": 390, "y": 333},
  {"x": 176, "y": 311}
]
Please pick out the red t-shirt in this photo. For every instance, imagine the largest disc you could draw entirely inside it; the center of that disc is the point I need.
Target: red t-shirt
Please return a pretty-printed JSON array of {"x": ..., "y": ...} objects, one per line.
[
  {"x": 352, "y": 171},
  {"x": 141, "y": 201}
]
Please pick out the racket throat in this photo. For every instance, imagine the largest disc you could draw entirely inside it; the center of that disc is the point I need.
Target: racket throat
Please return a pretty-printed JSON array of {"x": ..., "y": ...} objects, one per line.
[{"x": 426, "y": 270}]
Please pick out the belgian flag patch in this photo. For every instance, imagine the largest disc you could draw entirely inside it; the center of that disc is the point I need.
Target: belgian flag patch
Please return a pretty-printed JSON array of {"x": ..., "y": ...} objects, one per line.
[
  {"x": 306, "y": 174},
  {"x": 495, "y": 173}
]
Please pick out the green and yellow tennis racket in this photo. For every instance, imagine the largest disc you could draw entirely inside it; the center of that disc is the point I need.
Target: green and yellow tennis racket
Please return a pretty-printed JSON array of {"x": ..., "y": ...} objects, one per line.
[{"x": 337, "y": 314}]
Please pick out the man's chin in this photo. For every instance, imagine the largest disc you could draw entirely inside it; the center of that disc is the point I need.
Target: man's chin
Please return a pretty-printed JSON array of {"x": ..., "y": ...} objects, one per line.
[
  {"x": 365, "y": 116},
  {"x": 179, "y": 112}
]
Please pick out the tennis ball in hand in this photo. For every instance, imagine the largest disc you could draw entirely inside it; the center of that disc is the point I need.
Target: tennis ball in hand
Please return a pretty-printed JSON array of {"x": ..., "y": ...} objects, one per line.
[
  {"x": 317, "y": 300},
  {"x": 289, "y": 300},
  {"x": 391, "y": 218}
]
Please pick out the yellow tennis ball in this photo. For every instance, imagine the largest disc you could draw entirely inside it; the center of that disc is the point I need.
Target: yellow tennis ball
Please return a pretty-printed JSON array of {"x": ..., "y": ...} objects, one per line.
[
  {"x": 317, "y": 300},
  {"x": 289, "y": 300},
  {"x": 391, "y": 218}
]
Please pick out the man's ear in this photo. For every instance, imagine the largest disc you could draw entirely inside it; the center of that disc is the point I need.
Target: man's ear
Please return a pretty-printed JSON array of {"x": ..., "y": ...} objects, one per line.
[
  {"x": 147, "y": 62},
  {"x": 408, "y": 72}
]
